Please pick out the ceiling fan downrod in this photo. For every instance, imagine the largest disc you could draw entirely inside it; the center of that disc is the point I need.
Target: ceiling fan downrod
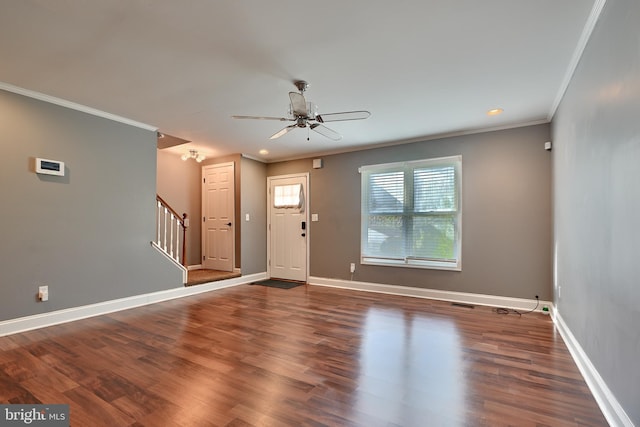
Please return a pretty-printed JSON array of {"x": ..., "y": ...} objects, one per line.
[{"x": 301, "y": 85}]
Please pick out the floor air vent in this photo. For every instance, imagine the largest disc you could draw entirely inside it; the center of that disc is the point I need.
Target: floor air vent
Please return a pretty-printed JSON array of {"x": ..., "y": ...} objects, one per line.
[{"x": 459, "y": 304}]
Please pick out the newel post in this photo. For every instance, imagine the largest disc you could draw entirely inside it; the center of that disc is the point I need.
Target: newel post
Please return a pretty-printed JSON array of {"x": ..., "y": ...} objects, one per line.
[{"x": 184, "y": 239}]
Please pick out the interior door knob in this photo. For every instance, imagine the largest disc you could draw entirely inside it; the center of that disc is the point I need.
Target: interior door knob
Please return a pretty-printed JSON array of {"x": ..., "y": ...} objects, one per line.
[{"x": 229, "y": 224}]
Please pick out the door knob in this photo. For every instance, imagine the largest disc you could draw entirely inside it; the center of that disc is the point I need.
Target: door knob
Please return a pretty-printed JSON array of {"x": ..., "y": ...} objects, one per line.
[
  {"x": 229, "y": 224},
  {"x": 303, "y": 234}
]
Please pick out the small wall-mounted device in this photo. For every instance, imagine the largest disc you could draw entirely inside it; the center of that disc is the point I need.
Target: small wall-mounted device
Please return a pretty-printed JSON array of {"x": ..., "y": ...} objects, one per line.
[
  {"x": 49, "y": 167},
  {"x": 547, "y": 145},
  {"x": 317, "y": 163}
]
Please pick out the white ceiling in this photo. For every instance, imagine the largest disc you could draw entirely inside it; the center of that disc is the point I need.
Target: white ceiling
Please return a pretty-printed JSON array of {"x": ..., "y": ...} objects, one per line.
[{"x": 423, "y": 68}]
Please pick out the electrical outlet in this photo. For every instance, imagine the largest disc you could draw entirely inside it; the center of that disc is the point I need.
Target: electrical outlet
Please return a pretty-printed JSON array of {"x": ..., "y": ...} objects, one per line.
[
  {"x": 352, "y": 267},
  {"x": 43, "y": 293}
]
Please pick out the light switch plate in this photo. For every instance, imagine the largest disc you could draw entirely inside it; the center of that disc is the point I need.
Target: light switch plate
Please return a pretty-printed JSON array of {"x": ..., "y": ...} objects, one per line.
[{"x": 314, "y": 217}]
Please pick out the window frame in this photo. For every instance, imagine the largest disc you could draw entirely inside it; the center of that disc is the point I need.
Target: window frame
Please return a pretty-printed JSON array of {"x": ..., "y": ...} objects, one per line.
[{"x": 408, "y": 168}]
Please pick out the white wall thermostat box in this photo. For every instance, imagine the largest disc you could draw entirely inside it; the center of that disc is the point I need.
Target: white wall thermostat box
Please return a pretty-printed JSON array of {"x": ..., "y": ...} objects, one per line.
[{"x": 49, "y": 167}]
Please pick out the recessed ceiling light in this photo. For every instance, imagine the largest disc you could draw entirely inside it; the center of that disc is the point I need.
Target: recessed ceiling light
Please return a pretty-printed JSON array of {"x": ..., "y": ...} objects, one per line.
[
  {"x": 495, "y": 112},
  {"x": 264, "y": 152}
]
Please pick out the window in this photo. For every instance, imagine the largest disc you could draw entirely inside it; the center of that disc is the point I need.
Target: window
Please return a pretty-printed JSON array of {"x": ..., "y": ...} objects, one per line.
[
  {"x": 411, "y": 214},
  {"x": 288, "y": 196}
]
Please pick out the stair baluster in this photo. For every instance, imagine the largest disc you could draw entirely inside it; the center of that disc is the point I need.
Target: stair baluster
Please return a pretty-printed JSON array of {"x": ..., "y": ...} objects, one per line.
[{"x": 168, "y": 222}]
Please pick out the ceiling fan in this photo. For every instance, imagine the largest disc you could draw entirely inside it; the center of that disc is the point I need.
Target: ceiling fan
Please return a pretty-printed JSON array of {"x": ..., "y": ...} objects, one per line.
[{"x": 304, "y": 114}]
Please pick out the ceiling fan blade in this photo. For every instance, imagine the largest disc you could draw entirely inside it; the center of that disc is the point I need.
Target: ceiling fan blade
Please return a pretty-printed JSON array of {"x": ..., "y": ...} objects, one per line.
[
  {"x": 325, "y": 131},
  {"x": 298, "y": 104},
  {"x": 283, "y": 131},
  {"x": 344, "y": 116},
  {"x": 282, "y": 119}
]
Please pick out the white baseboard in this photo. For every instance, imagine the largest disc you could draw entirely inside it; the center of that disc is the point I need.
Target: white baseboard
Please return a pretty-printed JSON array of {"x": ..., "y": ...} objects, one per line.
[
  {"x": 609, "y": 405},
  {"x": 459, "y": 297},
  {"x": 28, "y": 323}
]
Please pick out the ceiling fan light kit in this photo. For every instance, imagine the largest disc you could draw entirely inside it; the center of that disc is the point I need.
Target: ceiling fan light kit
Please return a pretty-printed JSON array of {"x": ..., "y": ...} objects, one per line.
[{"x": 305, "y": 115}]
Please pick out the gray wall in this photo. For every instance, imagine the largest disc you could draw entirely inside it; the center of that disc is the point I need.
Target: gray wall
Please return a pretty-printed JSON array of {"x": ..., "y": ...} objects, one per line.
[
  {"x": 596, "y": 157},
  {"x": 253, "y": 202},
  {"x": 87, "y": 234},
  {"x": 506, "y": 219},
  {"x": 178, "y": 183}
]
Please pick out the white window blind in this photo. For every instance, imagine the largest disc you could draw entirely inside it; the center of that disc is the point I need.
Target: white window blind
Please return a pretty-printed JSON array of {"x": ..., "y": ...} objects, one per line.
[
  {"x": 411, "y": 213},
  {"x": 288, "y": 196}
]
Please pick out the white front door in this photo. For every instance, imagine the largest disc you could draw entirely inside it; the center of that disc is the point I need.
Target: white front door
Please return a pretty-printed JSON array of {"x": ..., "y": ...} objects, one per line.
[
  {"x": 288, "y": 227},
  {"x": 218, "y": 213}
]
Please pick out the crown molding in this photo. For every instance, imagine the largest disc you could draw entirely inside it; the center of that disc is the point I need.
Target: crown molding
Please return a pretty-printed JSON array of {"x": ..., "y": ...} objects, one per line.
[
  {"x": 74, "y": 106},
  {"x": 589, "y": 26}
]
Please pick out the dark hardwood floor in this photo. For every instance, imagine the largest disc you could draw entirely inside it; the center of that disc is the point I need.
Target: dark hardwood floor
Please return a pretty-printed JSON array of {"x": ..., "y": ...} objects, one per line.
[{"x": 308, "y": 356}]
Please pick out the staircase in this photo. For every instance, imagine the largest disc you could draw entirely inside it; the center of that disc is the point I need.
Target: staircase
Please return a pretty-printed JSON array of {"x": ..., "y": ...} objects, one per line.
[{"x": 171, "y": 234}]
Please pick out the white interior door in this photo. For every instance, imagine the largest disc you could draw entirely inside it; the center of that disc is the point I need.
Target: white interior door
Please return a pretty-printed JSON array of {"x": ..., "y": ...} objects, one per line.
[
  {"x": 288, "y": 227},
  {"x": 218, "y": 213}
]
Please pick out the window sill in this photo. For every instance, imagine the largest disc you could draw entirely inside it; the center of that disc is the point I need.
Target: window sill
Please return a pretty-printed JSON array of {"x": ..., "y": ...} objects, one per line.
[{"x": 410, "y": 263}]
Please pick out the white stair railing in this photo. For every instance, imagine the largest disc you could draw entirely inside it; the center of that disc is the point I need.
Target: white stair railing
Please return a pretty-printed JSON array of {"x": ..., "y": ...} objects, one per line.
[{"x": 171, "y": 231}]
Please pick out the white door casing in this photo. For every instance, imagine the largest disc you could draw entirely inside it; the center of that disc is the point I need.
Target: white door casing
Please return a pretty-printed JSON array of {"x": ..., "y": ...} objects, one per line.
[
  {"x": 287, "y": 236},
  {"x": 218, "y": 213}
]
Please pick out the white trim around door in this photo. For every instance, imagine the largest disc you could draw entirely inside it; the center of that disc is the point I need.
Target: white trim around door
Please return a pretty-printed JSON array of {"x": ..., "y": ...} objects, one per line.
[{"x": 299, "y": 232}]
